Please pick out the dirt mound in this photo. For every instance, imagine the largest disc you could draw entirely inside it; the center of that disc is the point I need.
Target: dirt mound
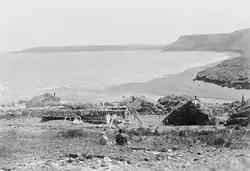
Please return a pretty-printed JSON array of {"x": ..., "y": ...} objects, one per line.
[
  {"x": 142, "y": 105},
  {"x": 42, "y": 100},
  {"x": 190, "y": 113}
]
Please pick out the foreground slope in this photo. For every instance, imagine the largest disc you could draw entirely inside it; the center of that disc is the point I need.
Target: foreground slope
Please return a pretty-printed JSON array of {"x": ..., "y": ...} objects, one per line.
[{"x": 230, "y": 73}]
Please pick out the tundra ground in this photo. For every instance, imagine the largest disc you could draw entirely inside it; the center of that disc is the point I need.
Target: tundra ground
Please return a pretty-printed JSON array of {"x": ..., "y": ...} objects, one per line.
[{"x": 28, "y": 144}]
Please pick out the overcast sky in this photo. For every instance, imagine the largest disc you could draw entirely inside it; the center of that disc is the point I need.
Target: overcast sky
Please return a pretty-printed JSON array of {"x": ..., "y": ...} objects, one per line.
[{"x": 31, "y": 23}]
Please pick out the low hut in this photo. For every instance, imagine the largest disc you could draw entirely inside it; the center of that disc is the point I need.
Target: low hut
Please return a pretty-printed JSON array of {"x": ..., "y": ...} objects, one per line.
[
  {"x": 241, "y": 116},
  {"x": 190, "y": 113}
]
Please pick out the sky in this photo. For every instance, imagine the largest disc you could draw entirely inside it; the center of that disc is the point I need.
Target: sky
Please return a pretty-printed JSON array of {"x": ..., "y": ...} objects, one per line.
[{"x": 33, "y": 23}]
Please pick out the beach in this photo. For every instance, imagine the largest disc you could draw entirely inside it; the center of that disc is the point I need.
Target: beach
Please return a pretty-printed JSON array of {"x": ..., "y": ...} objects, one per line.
[{"x": 88, "y": 76}]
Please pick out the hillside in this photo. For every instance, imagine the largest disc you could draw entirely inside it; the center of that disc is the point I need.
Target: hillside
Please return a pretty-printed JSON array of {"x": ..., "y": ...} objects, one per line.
[
  {"x": 230, "y": 73},
  {"x": 91, "y": 48}
]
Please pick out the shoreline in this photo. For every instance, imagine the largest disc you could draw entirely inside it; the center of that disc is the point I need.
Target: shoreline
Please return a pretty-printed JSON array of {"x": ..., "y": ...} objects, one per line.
[
  {"x": 156, "y": 86},
  {"x": 225, "y": 56}
]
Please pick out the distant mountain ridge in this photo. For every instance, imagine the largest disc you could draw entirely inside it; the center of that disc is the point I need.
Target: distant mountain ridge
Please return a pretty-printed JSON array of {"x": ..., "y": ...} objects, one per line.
[
  {"x": 230, "y": 73},
  {"x": 238, "y": 41},
  {"x": 59, "y": 49}
]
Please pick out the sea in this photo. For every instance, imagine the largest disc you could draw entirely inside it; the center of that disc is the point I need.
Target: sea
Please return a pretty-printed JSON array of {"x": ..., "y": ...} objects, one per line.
[{"x": 80, "y": 76}]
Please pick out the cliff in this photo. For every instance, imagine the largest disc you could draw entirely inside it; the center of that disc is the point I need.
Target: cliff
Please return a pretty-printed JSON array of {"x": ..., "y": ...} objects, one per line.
[{"x": 230, "y": 73}]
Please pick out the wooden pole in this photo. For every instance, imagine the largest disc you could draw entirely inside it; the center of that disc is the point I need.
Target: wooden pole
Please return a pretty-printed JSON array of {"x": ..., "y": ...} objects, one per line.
[
  {"x": 29, "y": 115},
  {"x": 136, "y": 115},
  {"x": 111, "y": 121},
  {"x": 64, "y": 120}
]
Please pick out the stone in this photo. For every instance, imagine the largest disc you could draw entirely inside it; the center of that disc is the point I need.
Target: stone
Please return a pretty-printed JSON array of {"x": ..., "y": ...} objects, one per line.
[
  {"x": 104, "y": 139},
  {"x": 73, "y": 155},
  {"x": 107, "y": 159},
  {"x": 69, "y": 160}
]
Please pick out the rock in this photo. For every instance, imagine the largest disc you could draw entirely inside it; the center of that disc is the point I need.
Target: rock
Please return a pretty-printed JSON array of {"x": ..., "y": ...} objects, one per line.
[
  {"x": 70, "y": 160},
  {"x": 72, "y": 155},
  {"x": 107, "y": 159},
  {"x": 175, "y": 148},
  {"x": 190, "y": 113},
  {"x": 157, "y": 132},
  {"x": 104, "y": 139},
  {"x": 96, "y": 164},
  {"x": 144, "y": 131},
  {"x": 195, "y": 159},
  {"x": 104, "y": 164}
]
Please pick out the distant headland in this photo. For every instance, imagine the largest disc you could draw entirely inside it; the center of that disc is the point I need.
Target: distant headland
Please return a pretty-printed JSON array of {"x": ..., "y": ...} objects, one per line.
[{"x": 60, "y": 49}]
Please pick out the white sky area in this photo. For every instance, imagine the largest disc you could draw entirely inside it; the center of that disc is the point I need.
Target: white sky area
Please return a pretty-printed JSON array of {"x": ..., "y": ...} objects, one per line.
[{"x": 32, "y": 23}]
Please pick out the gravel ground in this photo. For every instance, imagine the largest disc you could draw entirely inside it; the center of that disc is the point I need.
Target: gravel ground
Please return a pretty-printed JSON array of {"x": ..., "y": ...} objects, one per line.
[{"x": 27, "y": 144}]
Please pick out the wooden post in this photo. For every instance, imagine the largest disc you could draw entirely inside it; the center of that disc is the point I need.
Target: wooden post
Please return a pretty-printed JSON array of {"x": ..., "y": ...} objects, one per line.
[
  {"x": 111, "y": 121},
  {"x": 29, "y": 115},
  {"x": 136, "y": 115},
  {"x": 242, "y": 100},
  {"x": 64, "y": 120}
]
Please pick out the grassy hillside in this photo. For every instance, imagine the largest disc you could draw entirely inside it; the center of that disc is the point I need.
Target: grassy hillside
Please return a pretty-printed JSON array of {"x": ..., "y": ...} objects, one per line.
[{"x": 230, "y": 73}]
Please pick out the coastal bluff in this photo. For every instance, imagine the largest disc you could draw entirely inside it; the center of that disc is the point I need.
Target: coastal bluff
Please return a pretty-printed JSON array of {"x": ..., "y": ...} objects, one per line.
[{"x": 231, "y": 73}]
